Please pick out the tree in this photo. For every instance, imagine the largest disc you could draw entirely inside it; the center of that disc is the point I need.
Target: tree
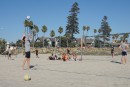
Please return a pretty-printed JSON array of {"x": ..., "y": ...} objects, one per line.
[
  {"x": 34, "y": 34},
  {"x": 126, "y": 35},
  {"x": 2, "y": 45},
  {"x": 60, "y": 30},
  {"x": 44, "y": 30},
  {"x": 19, "y": 43},
  {"x": 105, "y": 28},
  {"x": 37, "y": 29},
  {"x": 52, "y": 33},
  {"x": 26, "y": 25},
  {"x": 84, "y": 28},
  {"x": 30, "y": 25},
  {"x": 72, "y": 24}
]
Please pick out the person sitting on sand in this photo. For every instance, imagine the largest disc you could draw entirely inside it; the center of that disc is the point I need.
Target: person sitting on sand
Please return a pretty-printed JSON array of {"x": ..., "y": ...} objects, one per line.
[
  {"x": 64, "y": 57},
  {"x": 53, "y": 57},
  {"x": 74, "y": 56}
]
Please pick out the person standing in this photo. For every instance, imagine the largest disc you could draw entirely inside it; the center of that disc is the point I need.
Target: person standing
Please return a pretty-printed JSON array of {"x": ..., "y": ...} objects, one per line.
[
  {"x": 124, "y": 47},
  {"x": 27, "y": 40},
  {"x": 9, "y": 53},
  {"x": 36, "y": 53},
  {"x": 112, "y": 51}
]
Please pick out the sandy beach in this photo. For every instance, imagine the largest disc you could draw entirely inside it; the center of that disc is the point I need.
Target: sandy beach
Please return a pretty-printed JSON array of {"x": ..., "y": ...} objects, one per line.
[{"x": 93, "y": 71}]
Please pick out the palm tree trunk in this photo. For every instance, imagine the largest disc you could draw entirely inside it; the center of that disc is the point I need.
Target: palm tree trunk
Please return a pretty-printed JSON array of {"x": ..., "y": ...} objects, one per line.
[
  {"x": 83, "y": 38},
  {"x": 43, "y": 40},
  {"x": 55, "y": 47},
  {"x": 98, "y": 41},
  {"x": 81, "y": 47},
  {"x": 60, "y": 40},
  {"x": 94, "y": 39}
]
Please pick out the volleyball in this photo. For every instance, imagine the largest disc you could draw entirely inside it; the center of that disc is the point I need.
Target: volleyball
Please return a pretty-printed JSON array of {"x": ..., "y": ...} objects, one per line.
[{"x": 27, "y": 78}]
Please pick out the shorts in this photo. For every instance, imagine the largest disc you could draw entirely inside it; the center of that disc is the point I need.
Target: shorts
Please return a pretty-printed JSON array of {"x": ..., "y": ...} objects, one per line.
[
  {"x": 112, "y": 51},
  {"x": 124, "y": 53},
  {"x": 27, "y": 54}
]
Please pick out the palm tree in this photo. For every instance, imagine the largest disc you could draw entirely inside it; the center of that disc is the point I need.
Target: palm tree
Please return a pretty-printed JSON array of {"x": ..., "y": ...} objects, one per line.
[
  {"x": 95, "y": 31},
  {"x": 26, "y": 25},
  {"x": 44, "y": 30},
  {"x": 37, "y": 29},
  {"x": 30, "y": 26},
  {"x": 34, "y": 34},
  {"x": 52, "y": 33},
  {"x": 87, "y": 28},
  {"x": 84, "y": 28},
  {"x": 60, "y": 30}
]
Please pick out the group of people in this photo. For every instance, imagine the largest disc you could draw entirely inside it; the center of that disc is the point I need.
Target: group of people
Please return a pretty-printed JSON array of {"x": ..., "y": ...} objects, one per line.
[
  {"x": 122, "y": 47},
  {"x": 66, "y": 56}
]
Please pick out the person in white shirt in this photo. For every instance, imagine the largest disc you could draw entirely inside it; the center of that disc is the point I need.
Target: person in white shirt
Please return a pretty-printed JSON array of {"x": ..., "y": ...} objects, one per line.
[
  {"x": 27, "y": 40},
  {"x": 124, "y": 47}
]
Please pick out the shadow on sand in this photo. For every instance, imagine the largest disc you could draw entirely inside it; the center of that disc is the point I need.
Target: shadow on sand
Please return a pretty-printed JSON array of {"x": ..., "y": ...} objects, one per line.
[
  {"x": 33, "y": 67},
  {"x": 116, "y": 62}
]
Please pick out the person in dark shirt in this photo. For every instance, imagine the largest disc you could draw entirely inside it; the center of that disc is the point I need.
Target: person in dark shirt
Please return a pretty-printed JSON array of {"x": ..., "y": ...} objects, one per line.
[
  {"x": 112, "y": 51},
  {"x": 36, "y": 53}
]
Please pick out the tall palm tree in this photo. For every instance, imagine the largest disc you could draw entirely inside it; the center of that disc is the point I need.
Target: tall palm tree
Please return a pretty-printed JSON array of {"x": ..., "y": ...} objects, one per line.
[
  {"x": 26, "y": 25},
  {"x": 52, "y": 34},
  {"x": 87, "y": 28},
  {"x": 37, "y": 29},
  {"x": 84, "y": 41},
  {"x": 95, "y": 31},
  {"x": 44, "y": 30},
  {"x": 34, "y": 34},
  {"x": 30, "y": 26},
  {"x": 60, "y": 30}
]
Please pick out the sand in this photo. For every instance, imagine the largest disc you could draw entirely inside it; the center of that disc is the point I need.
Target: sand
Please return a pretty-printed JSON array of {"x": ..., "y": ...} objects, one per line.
[{"x": 92, "y": 71}]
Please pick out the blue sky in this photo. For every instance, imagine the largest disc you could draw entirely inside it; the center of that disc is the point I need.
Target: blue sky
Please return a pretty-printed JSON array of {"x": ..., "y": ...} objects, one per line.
[{"x": 53, "y": 13}]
